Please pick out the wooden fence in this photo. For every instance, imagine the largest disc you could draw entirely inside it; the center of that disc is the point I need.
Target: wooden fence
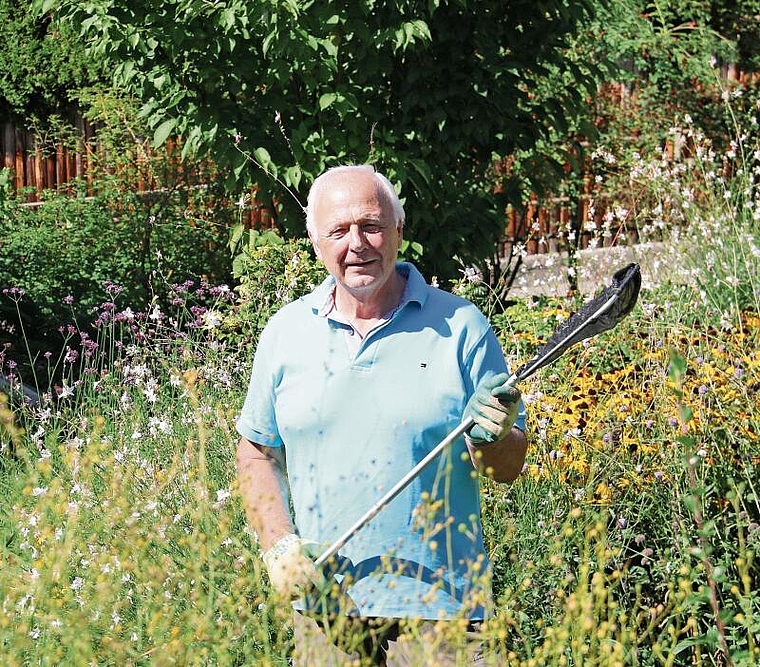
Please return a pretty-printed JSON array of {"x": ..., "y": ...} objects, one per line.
[
  {"x": 36, "y": 168},
  {"x": 536, "y": 228}
]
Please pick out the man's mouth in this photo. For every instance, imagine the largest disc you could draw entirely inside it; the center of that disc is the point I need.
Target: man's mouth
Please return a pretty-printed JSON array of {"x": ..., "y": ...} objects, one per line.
[{"x": 359, "y": 264}]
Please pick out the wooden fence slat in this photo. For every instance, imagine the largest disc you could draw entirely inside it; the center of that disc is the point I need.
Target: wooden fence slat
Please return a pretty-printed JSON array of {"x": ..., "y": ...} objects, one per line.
[
  {"x": 18, "y": 159},
  {"x": 9, "y": 146}
]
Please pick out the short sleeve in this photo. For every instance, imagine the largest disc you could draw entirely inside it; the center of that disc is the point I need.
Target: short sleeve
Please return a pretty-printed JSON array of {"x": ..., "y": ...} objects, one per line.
[{"x": 257, "y": 421}]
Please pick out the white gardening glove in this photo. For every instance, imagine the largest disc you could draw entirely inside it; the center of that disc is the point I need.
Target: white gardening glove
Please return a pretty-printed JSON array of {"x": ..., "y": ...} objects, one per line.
[
  {"x": 494, "y": 409},
  {"x": 290, "y": 566}
]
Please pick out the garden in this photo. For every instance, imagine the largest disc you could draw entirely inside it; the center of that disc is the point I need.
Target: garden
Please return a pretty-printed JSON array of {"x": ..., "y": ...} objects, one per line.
[{"x": 630, "y": 538}]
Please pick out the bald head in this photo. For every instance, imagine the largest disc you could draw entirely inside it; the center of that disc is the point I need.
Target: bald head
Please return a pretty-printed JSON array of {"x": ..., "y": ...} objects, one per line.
[{"x": 348, "y": 173}]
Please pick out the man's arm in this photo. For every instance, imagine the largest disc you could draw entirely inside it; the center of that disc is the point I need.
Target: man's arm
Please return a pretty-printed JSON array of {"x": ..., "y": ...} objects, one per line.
[
  {"x": 264, "y": 487},
  {"x": 266, "y": 498},
  {"x": 501, "y": 460},
  {"x": 497, "y": 447}
]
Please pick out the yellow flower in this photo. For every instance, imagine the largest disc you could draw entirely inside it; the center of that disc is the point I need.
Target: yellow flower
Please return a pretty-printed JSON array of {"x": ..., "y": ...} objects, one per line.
[{"x": 603, "y": 494}]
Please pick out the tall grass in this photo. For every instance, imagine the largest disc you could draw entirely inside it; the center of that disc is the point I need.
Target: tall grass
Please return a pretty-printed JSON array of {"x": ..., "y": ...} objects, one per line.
[{"x": 630, "y": 539}]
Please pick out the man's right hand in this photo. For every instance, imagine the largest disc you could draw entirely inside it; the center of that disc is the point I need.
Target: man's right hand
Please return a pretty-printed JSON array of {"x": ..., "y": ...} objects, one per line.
[{"x": 290, "y": 566}]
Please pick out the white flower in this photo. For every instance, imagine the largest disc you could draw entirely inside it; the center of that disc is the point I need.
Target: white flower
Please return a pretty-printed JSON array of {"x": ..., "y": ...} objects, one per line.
[
  {"x": 150, "y": 391},
  {"x": 65, "y": 391},
  {"x": 77, "y": 584},
  {"x": 211, "y": 319},
  {"x": 471, "y": 274}
]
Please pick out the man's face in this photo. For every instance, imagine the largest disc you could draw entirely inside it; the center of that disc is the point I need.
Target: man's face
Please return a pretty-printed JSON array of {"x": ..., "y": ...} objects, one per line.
[{"x": 355, "y": 234}]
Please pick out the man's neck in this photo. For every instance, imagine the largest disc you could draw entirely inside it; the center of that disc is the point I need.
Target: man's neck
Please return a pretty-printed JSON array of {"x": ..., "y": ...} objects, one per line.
[{"x": 373, "y": 305}]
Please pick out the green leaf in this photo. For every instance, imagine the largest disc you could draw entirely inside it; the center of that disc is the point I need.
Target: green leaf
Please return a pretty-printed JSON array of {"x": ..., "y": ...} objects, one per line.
[
  {"x": 326, "y": 100},
  {"x": 677, "y": 368},
  {"x": 293, "y": 176},
  {"x": 163, "y": 131},
  {"x": 236, "y": 235},
  {"x": 47, "y": 5},
  {"x": 267, "y": 43},
  {"x": 264, "y": 160}
]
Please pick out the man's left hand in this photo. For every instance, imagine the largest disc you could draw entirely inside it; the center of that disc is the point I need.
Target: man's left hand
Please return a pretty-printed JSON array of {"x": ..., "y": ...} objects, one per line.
[{"x": 494, "y": 408}]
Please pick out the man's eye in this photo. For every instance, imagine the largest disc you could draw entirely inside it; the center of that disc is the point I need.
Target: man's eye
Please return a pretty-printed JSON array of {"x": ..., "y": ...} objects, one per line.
[{"x": 371, "y": 229}]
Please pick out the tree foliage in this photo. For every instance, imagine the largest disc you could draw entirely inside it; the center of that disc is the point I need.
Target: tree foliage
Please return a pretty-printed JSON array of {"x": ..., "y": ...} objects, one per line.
[
  {"x": 40, "y": 67},
  {"x": 433, "y": 92}
]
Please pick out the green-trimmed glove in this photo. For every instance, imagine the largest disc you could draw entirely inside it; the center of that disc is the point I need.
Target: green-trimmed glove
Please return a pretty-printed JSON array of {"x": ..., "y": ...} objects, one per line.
[
  {"x": 494, "y": 408},
  {"x": 290, "y": 566}
]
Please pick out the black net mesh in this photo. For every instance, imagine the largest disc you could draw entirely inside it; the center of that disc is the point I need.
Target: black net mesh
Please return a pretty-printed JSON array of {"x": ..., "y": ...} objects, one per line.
[{"x": 600, "y": 314}]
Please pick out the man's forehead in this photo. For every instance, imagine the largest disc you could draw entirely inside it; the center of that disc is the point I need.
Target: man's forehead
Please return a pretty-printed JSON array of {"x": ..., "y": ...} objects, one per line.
[{"x": 348, "y": 200}]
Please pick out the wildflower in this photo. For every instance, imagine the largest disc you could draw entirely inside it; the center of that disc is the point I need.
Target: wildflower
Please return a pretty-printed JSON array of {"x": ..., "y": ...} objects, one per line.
[
  {"x": 112, "y": 289},
  {"x": 64, "y": 391},
  {"x": 211, "y": 319},
  {"x": 471, "y": 274},
  {"x": 150, "y": 390},
  {"x": 77, "y": 584},
  {"x": 156, "y": 426},
  {"x": 14, "y": 293}
]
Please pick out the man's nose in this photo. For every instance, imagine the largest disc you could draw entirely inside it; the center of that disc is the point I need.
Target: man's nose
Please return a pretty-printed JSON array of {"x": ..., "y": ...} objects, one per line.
[{"x": 356, "y": 238}]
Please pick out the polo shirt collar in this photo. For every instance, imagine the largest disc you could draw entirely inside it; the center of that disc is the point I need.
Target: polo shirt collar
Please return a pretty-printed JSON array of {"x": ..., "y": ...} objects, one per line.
[{"x": 322, "y": 299}]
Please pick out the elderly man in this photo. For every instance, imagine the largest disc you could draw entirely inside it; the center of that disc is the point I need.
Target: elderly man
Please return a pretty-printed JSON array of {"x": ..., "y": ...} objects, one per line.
[{"x": 351, "y": 386}]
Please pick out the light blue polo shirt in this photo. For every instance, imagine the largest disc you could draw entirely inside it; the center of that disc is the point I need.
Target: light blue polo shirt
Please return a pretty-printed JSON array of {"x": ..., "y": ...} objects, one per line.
[{"x": 354, "y": 424}]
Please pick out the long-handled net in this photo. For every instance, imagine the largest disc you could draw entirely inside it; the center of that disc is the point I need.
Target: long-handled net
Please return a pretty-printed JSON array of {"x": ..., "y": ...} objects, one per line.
[{"x": 601, "y": 313}]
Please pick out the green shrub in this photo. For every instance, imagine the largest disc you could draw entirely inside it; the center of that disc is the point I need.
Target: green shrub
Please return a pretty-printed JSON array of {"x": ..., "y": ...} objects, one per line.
[
  {"x": 72, "y": 247},
  {"x": 271, "y": 272}
]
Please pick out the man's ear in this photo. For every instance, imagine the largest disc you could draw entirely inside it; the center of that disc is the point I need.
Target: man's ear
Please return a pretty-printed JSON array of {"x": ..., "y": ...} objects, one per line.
[{"x": 314, "y": 245}]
